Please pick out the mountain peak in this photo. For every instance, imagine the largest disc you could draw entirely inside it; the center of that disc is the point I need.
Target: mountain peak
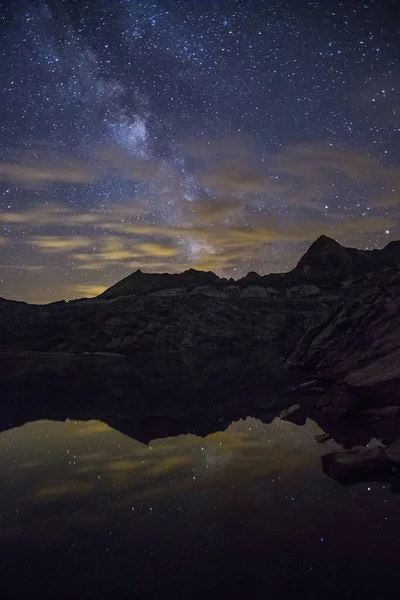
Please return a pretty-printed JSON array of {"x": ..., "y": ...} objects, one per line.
[
  {"x": 326, "y": 261},
  {"x": 201, "y": 275},
  {"x": 252, "y": 276},
  {"x": 192, "y": 271},
  {"x": 392, "y": 249},
  {"x": 324, "y": 243}
]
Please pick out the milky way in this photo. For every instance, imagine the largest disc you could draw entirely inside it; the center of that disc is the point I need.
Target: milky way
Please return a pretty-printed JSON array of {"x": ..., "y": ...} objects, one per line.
[{"x": 222, "y": 136}]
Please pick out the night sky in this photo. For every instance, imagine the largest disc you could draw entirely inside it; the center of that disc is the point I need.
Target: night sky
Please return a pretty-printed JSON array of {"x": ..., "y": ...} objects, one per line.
[{"x": 218, "y": 135}]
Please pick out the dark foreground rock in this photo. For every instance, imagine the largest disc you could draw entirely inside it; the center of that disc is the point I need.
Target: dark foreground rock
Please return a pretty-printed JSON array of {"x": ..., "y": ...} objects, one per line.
[
  {"x": 379, "y": 463},
  {"x": 357, "y": 464}
]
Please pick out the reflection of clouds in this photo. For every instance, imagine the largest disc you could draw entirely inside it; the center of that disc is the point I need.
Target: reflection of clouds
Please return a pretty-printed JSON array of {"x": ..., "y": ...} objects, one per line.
[
  {"x": 169, "y": 464},
  {"x": 86, "y": 428},
  {"x": 93, "y": 448},
  {"x": 63, "y": 489},
  {"x": 99, "y": 471}
]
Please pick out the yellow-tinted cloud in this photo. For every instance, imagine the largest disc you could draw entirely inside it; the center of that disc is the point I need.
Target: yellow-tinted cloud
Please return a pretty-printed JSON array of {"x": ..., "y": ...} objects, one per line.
[
  {"x": 60, "y": 243},
  {"x": 263, "y": 230},
  {"x": 40, "y": 173},
  {"x": 59, "y": 214},
  {"x": 72, "y": 488},
  {"x": 89, "y": 290},
  {"x": 42, "y": 215},
  {"x": 20, "y": 267},
  {"x": 164, "y": 466},
  {"x": 310, "y": 160},
  {"x": 217, "y": 233},
  {"x": 233, "y": 178},
  {"x": 212, "y": 210},
  {"x": 157, "y": 250},
  {"x": 128, "y": 252},
  {"x": 389, "y": 199}
]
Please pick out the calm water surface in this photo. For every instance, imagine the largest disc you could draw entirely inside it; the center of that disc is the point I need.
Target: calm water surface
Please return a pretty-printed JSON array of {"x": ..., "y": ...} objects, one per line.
[{"x": 89, "y": 512}]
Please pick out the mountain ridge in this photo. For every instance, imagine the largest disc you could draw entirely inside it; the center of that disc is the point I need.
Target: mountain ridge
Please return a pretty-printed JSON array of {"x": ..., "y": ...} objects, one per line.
[{"x": 325, "y": 262}]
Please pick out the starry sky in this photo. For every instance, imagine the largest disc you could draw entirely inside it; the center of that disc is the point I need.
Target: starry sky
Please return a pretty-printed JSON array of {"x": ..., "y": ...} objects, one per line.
[{"x": 220, "y": 135}]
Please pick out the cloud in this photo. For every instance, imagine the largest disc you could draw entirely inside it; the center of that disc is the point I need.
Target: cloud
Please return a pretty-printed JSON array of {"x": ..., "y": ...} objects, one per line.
[
  {"x": 311, "y": 175},
  {"x": 218, "y": 231},
  {"x": 127, "y": 166},
  {"x": 39, "y": 173},
  {"x": 60, "y": 243},
  {"x": 42, "y": 215},
  {"x": 212, "y": 209},
  {"x": 19, "y": 267},
  {"x": 157, "y": 250},
  {"x": 124, "y": 251},
  {"x": 314, "y": 160},
  {"x": 261, "y": 231},
  {"x": 305, "y": 175},
  {"x": 107, "y": 256},
  {"x": 233, "y": 178},
  {"x": 388, "y": 199},
  {"x": 88, "y": 290},
  {"x": 59, "y": 214},
  {"x": 241, "y": 222},
  {"x": 60, "y": 490}
]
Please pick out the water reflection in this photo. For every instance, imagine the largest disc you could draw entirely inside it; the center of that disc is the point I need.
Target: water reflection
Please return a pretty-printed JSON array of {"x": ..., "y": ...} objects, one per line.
[
  {"x": 46, "y": 461},
  {"x": 245, "y": 506}
]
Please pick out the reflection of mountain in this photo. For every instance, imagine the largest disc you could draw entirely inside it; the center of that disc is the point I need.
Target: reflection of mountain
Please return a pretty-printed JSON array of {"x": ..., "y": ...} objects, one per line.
[
  {"x": 161, "y": 392},
  {"x": 72, "y": 455}
]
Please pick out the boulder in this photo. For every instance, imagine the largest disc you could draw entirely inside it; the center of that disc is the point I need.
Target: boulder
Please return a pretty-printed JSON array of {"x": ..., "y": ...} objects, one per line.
[
  {"x": 208, "y": 290},
  {"x": 289, "y": 411},
  {"x": 254, "y": 291},
  {"x": 357, "y": 464},
  {"x": 310, "y": 290},
  {"x": 383, "y": 412},
  {"x": 392, "y": 453},
  {"x": 170, "y": 293},
  {"x": 321, "y": 438}
]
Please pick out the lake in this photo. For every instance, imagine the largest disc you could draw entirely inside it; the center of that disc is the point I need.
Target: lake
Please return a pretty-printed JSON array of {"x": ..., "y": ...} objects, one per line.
[{"x": 87, "y": 511}]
